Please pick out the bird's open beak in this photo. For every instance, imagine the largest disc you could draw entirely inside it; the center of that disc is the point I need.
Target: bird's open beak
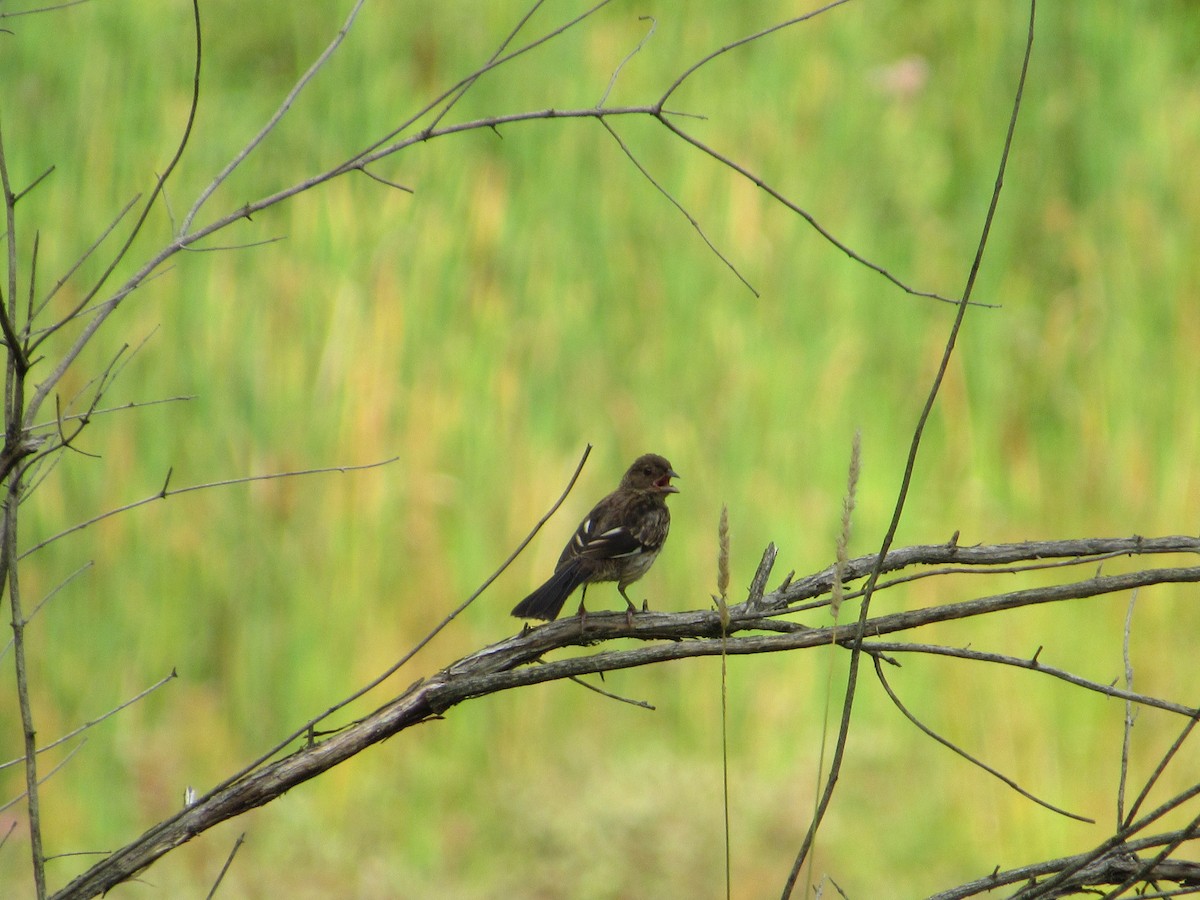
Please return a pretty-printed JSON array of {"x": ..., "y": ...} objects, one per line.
[{"x": 664, "y": 483}]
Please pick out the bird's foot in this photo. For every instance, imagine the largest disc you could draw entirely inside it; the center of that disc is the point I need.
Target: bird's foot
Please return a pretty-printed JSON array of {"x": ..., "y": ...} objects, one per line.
[{"x": 630, "y": 609}]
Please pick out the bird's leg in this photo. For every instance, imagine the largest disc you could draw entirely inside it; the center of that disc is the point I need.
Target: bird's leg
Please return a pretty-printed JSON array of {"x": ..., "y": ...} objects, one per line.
[
  {"x": 582, "y": 613},
  {"x": 630, "y": 609},
  {"x": 628, "y": 602}
]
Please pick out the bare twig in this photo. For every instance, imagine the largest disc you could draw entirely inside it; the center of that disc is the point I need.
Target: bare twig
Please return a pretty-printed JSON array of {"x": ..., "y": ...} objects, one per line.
[
  {"x": 54, "y": 771},
  {"x": 612, "y": 82},
  {"x": 808, "y": 217},
  {"x": 80, "y": 260},
  {"x": 596, "y": 689},
  {"x": 1184, "y": 734},
  {"x": 164, "y": 492},
  {"x": 42, "y": 9},
  {"x": 18, "y": 357},
  {"x": 225, "y": 868},
  {"x": 1127, "y": 730},
  {"x": 46, "y": 599},
  {"x": 904, "y": 710},
  {"x": 910, "y": 465},
  {"x": 106, "y": 309},
  {"x": 741, "y": 42},
  {"x": 124, "y": 407},
  {"x": 1035, "y": 665},
  {"x": 460, "y": 90},
  {"x": 679, "y": 206},
  {"x": 96, "y": 721},
  {"x": 9, "y": 579},
  {"x": 722, "y": 599},
  {"x": 277, "y": 116}
]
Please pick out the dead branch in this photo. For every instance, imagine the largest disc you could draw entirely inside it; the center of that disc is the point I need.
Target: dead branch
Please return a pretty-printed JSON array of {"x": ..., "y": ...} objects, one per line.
[{"x": 667, "y": 636}]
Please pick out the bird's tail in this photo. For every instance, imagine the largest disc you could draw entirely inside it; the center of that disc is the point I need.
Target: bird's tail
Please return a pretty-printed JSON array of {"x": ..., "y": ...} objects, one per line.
[{"x": 547, "y": 601}]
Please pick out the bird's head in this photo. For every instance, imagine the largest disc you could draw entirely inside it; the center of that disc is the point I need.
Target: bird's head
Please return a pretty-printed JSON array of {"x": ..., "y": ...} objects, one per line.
[{"x": 651, "y": 472}]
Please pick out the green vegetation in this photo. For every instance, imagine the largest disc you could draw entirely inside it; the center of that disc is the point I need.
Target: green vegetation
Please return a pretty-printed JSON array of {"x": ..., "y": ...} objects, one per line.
[{"x": 535, "y": 294}]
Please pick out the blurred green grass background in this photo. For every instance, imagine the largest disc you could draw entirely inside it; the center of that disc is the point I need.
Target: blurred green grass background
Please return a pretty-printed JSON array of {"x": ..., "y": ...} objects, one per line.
[{"x": 536, "y": 294}]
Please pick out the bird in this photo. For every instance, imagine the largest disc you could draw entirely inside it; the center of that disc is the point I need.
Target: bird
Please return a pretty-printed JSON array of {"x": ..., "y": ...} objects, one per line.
[{"x": 617, "y": 541}]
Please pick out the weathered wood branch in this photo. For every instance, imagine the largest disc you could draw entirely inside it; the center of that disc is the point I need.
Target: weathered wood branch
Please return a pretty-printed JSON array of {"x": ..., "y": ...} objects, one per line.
[
  {"x": 755, "y": 626},
  {"x": 1115, "y": 866}
]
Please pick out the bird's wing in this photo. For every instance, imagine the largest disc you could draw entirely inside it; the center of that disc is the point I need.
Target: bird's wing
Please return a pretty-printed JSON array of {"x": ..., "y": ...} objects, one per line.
[{"x": 603, "y": 536}]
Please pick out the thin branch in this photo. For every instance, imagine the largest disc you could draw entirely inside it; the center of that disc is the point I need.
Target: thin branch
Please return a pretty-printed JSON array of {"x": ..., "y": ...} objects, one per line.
[
  {"x": 1034, "y": 665},
  {"x": 244, "y": 245},
  {"x": 225, "y": 868},
  {"x": 808, "y": 217},
  {"x": 460, "y": 90},
  {"x": 904, "y": 710},
  {"x": 596, "y": 689},
  {"x": 1127, "y": 730},
  {"x": 758, "y": 35},
  {"x": 18, "y": 358},
  {"x": 124, "y": 407},
  {"x": 679, "y": 206},
  {"x": 54, "y": 771},
  {"x": 910, "y": 465},
  {"x": 46, "y": 599},
  {"x": 308, "y": 729},
  {"x": 278, "y": 115},
  {"x": 94, "y": 722},
  {"x": 8, "y": 552},
  {"x": 1160, "y": 768},
  {"x": 83, "y": 257},
  {"x": 107, "y": 308},
  {"x": 42, "y": 9},
  {"x": 33, "y": 271},
  {"x": 28, "y": 189},
  {"x": 164, "y": 492},
  {"x": 382, "y": 180},
  {"x": 612, "y": 82}
]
